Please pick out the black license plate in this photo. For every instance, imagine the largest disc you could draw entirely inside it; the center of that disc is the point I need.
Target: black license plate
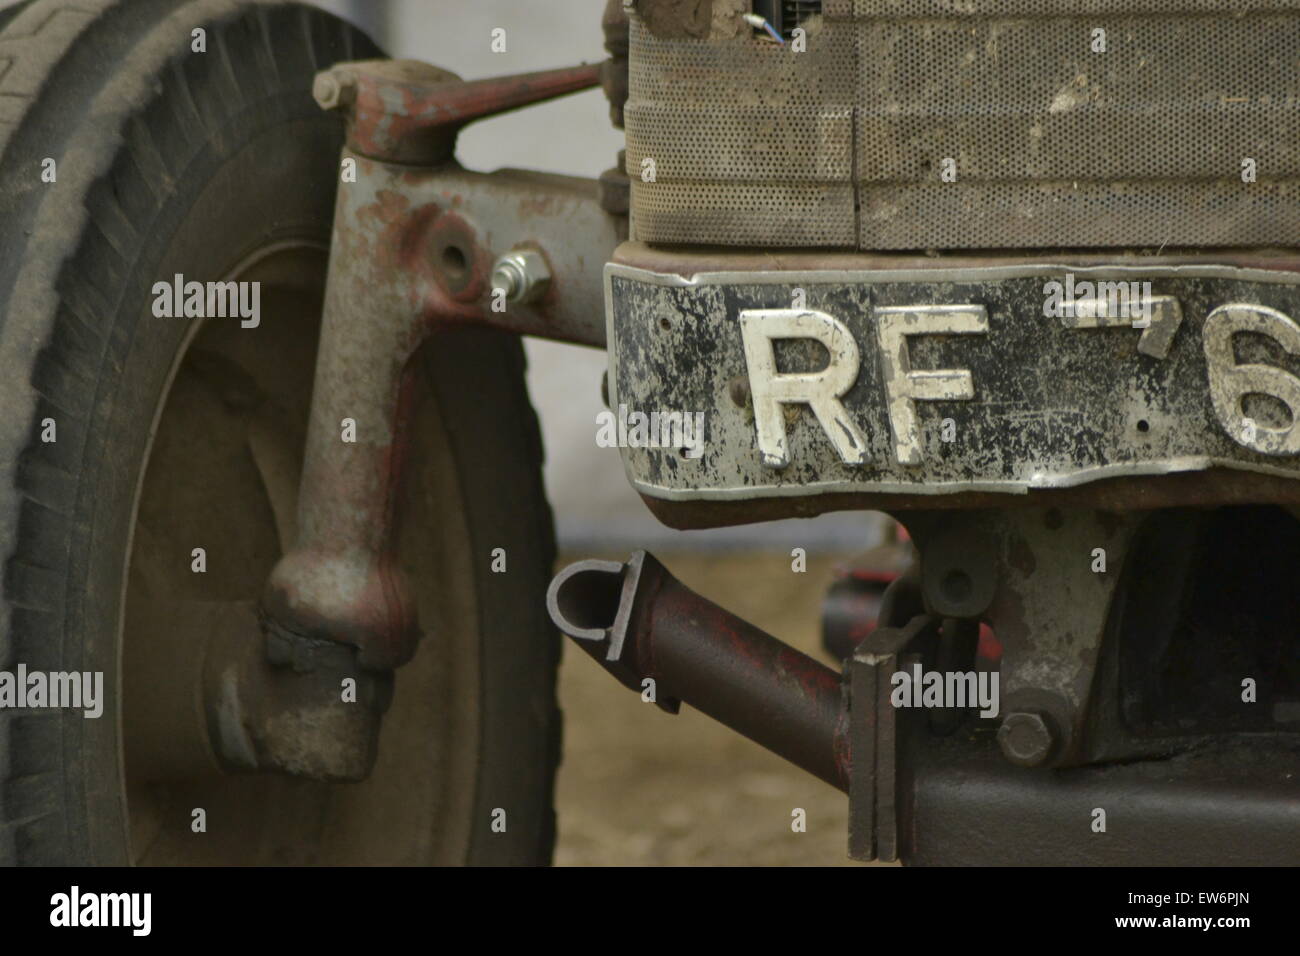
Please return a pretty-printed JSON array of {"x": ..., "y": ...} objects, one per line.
[{"x": 999, "y": 379}]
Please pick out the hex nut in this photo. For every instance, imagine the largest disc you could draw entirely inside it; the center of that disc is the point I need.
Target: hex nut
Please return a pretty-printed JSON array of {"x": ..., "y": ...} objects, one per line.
[
  {"x": 1027, "y": 738},
  {"x": 522, "y": 274},
  {"x": 334, "y": 89}
]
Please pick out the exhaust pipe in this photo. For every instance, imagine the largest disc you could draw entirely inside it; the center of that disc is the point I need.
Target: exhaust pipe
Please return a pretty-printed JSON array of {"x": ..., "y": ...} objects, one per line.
[{"x": 643, "y": 624}]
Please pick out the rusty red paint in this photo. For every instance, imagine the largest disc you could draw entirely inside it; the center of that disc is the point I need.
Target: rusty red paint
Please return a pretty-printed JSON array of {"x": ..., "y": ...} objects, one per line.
[
  {"x": 704, "y": 655},
  {"x": 403, "y": 119},
  {"x": 700, "y": 654},
  {"x": 989, "y": 648},
  {"x": 405, "y": 261}
]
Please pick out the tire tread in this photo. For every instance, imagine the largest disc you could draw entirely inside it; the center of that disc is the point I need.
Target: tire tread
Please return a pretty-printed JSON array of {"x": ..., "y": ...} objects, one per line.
[{"x": 116, "y": 161}]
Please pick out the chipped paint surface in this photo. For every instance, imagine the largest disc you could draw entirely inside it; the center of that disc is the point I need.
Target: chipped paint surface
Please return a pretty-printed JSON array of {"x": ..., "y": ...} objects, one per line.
[
  {"x": 411, "y": 253},
  {"x": 1052, "y": 407}
]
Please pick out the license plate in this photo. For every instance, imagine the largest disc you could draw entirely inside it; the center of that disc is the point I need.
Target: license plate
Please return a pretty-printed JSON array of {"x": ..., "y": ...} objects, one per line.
[{"x": 1000, "y": 379}]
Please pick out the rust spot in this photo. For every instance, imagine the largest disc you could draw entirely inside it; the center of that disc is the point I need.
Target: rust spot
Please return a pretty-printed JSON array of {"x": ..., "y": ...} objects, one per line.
[
  {"x": 411, "y": 113},
  {"x": 411, "y": 236},
  {"x": 459, "y": 263}
]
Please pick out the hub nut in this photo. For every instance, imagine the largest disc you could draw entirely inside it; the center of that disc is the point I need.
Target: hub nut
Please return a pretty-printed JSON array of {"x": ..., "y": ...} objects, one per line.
[
  {"x": 1027, "y": 738},
  {"x": 522, "y": 274}
]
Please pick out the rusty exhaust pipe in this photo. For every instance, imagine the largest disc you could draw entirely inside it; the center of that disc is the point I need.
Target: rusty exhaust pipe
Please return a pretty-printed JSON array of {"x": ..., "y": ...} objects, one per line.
[{"x": 642, "y": 624}]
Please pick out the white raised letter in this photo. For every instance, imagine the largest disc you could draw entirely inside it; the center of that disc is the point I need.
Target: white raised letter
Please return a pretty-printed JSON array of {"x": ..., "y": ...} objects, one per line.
[
  {"x": 819, "y": 390},
  {"x": 905, "y": 387}
]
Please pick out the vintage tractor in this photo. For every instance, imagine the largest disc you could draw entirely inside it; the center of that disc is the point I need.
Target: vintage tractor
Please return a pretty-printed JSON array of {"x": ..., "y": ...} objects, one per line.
[{"x": 1021, "y": 274}]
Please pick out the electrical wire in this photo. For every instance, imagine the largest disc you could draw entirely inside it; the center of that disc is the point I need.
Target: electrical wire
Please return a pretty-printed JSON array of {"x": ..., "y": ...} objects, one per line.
[{"x": 760, "y": 23}]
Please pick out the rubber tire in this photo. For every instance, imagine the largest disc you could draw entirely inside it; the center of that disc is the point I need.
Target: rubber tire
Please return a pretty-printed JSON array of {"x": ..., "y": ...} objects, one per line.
[{"x": 140, "y": 126}]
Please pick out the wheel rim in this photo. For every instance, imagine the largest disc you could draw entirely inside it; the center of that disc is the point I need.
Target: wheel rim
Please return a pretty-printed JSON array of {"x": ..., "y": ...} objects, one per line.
[{"x": 221, "y": 473}]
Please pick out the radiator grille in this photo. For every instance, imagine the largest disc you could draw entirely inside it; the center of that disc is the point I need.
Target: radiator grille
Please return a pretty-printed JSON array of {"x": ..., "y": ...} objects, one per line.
[{"x": 1054, "y": 145}]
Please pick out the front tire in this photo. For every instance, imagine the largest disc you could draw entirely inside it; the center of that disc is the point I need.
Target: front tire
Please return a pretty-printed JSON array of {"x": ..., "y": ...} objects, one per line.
[{"x": 173, "y": 434}]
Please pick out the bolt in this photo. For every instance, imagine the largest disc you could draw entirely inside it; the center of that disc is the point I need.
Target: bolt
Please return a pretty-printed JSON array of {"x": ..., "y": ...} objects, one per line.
[
  {"x": 508, "y": 277},
  {"x": 522, "y": 274},
  {"x": 334, "y": 89},
  {"x": 1027, "y": 738}
]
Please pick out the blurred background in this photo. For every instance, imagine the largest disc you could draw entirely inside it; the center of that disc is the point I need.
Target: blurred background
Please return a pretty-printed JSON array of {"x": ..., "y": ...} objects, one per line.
[{"x": 637, "y": 786}]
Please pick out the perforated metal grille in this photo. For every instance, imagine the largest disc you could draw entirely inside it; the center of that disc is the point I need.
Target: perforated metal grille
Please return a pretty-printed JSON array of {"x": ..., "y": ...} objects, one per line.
[
  {"x": 739, "y": 139},
  {"x": 1054, "y": 142}
]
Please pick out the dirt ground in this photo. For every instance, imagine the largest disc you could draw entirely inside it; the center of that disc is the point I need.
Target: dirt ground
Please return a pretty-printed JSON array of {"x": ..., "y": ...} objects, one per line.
[{"x": 642, "y": 787}]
